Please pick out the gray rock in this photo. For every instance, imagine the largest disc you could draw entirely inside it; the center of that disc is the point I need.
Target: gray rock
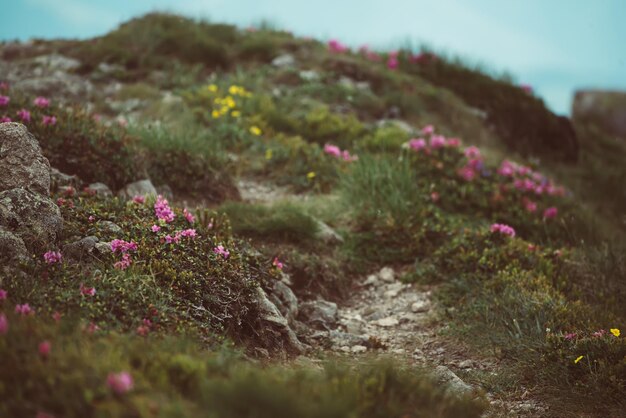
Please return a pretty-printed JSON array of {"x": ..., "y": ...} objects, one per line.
[
  {"x": 138, "y": 188},
  {"x": 285, "y": 60},
  {"x": 57, "y": 62},
  {"x": 386, "y": 274},
  {"x": 165, "y": 191},
  {"x": 22, "y": 164},
  {"x": 59, "y": 179},
  {"x": 387, "y": 322},
  {"x": 32, "y": 217},
  {"x": 420, "y": 305},
  {"x": 109, "y": 226},
  {"x": 372, "y": 280},
  {"x": 309, "y": 75},
  {"x": 319, "y": 313},
  {"x": 270, "y": 313},
  {"x": 341, "y": 339},
  {"x": 285, "y": 300},
  {"x": 453, "y": 382},
  {"x": 326, "y": 234},
  {"x": 81, "y": 248},
  {"x": 356, "y": 349},
  {"x": 12, "y": 247},
  {"x": 103, "y": 248},
  {"x": 101, "y": 189}
]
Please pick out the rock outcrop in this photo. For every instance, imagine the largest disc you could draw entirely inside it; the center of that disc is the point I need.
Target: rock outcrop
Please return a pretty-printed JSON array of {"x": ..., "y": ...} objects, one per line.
[{"x": 29, "y": 219}]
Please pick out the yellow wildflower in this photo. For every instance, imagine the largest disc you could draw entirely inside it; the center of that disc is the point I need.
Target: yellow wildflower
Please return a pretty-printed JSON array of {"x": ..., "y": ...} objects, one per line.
[
  {"x": 615, "y": 332},
  {"x": 234, "y": 90},
  {"x": 255, "y": 130},
  {"x": 235, "y": 113},
  {"x": 578, "y": 359},
  {"x": 310, "y": 175},
  {"x": 212, "y": 88},
  {"x": 216, "y": 114},
  {"x": 268, "y": 154}
]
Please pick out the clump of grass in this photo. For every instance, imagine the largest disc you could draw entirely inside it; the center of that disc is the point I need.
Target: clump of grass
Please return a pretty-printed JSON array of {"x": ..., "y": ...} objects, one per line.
[{"x": 281, "y": 222}]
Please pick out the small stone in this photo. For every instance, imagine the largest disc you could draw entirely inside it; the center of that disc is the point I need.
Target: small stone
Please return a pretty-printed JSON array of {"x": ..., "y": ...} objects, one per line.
[
  {"x": 103, "y": 247},
  {"x": 389, "y": 321},
  {"x": 386, "y": 274},
  {"x": 80, "y": 248},
  {"x": 420, "y": 306},
  {"x": 326, "y": 234},
  {"x": 358, "y": 349},
  {"x": 466, "y": 364},
  {"x": 285, "y": 60},
  {"x": 452, "y": 381},
  {"x": 372, "y": 280},
  {"x": 138, "y": 188},
  {"x": 320, "y": 313}
]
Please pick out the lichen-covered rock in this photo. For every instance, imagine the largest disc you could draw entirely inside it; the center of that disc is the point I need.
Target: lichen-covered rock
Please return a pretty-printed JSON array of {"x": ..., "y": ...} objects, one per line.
[
  {"x": 80, "y": 249},
  {"x": 32, "y": 217},
  {"x": 285, "y": 300},
  {"x": 59, "y": 179},
  {"x": 138, "y": 188},
  {"x": 269, "y": 312},
  {"x": 319, "y": 313},
  {"x": 11, "y": 247},
  {"x": 22, "y": 163}
]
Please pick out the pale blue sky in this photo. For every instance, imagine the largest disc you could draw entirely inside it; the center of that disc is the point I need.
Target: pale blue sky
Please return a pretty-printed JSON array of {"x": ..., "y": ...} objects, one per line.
[{"x": 554, "y": 45}]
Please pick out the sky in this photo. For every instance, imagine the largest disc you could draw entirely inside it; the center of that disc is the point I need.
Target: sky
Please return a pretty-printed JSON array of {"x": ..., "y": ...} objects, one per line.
[{"x": 557, "y": 46}]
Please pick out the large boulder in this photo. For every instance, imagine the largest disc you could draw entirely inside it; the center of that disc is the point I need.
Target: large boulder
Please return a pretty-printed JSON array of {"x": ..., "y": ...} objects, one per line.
[
  {"x": 138, "y": 188},
  {"x": 11, "y": 247},
  {"x": 22, "y": 165},
  {"x": 32, "y": 217}
]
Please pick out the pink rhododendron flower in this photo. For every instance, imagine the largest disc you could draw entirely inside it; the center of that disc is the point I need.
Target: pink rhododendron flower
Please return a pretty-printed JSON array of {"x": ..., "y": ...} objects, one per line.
[
  {"x": 428, "y": 130},
  {"x": 527, "y": 88},
  {"x": 91, "y": 328},
  {"x": 345, "y": 155},
  {"x": 333, "y": 150},
  {"x": 502, "y": 229},
  {"x": 550, "y": 212},
  {"x": 189, "y": 233},
  {"x": 453, "y": 142},
  {"x": 4, "y": 86},
  {"x": 120, "y": 383},
  {"x": 41, "y": 102},
  {"x": 277, "y": 263},
  {"x": 52, "y": 257},
  {"x": 24, "y": 115},
  {"x": 3, "y": 294},
  {"x": 44, "y": 348},
  {"x": 600, "y": 333},
  {"x": 142, "y": 330},
  {"x": 392, "y": 63},
  {"x": 570, "y": 336},
  {"x": 91, "y": 219},
  {"x": 472, "y": 152},
  {"x": 155, "y": 228},
  {"x": 529, "y": 205},
  {"x": 4, "y": 100},
  {"x": 5, "y": 119},
  {"x": 417, "y": 144},
  {"x": 467, "y": 173},
  {"x": 87, "y": 291},
  {"x": 437, "y": 141},
  {"x": 49, "y": 120},
  {"x": 139, "y": 199},
  {"x": 336, "y": 46},
  {"x": 220, "y": 250},
  {"x": 506, "y": 169},
  {"x": 162, "y": 210},
  {"x": 189, "y": 216},
  {"x": 24, "y": 309},
  {"x": 124, "y": 263},
  {"x": 172, "y": 239},
  {"x": 121, "y": 246},
  {"x": 4, "y": 324}
]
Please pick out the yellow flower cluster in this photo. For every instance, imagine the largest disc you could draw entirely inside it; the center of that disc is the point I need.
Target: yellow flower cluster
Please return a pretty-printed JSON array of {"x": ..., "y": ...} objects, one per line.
[{"x": 227, "y": 105}]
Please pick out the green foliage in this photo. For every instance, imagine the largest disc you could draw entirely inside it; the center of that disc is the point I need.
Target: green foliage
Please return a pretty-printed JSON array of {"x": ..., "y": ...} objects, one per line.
[{"x": 282, "y": 221}]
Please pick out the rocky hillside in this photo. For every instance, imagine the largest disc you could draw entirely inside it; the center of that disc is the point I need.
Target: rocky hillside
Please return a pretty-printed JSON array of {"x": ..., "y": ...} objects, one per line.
[{"x": 199, "y": 220}]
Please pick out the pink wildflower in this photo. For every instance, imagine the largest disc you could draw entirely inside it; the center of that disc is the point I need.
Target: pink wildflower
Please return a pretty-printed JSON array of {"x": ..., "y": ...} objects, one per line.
[
  {"x": 139, "y": 199},
  {"x": 120, "y": 383},
  {"x": 172, "y": 239},
  {"x": 529, "y": 205},
  {"x": 155, "y": 228},
  {"x": 91, "y": 328},
  {"x": 506, "y": 169},
  {"x": 434, "y": 196},
  {"x": 417, "y": 144},
  {"x": 4, "y": 324},
  {"x": 472, "y": 152},
  {"x": 550, "y": 212},
  {"x": 44, "y": 349},
  {"x": 3, "y": 294},
  {"x": 392, "y": 63},
  {"x": 41, "y": 102},
  {"x": 4, "y": 100},
  {"x": 467, "y": 173},
  {"x": 49, "y": 120},
  {"x": 437, "y": 141},
  {"x": 277, "y": 263},
  {"x": 56, "y": 316},
  {"x": 570, "y": 336},
  {"x": 189, "y": 216},
  {"x": 220, "y": 250},
  {"x": 162, "y": 210},
  {"x": 52, "y": 257},
  {"x": 428, "y": 130},
  {"x": 453, "y": 143},
  {"x": 600, "y": 333},
  {"x": 345, "y": 155},
  {"x": 24, "y": 115},
  {"x": 502, "y": 229},
  {"x": 5, "y": 119},
  {"x": 189, "y": 233},
  {"x": 121, "y": 246},
  {"x": 333, "y": 150},
  {"x": 24, "y": 309},
  {"x": 91, "y": 219},
  {"x": 143, "y": 330},
  {"x": 124, "y": 263},
  {"x": 87, "y": 291},
  {"x": 336, "y": 47}
]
